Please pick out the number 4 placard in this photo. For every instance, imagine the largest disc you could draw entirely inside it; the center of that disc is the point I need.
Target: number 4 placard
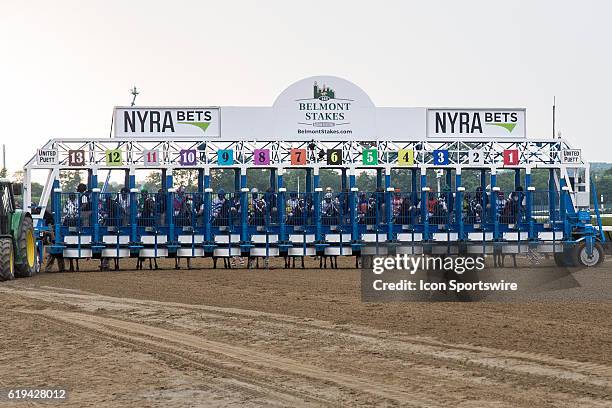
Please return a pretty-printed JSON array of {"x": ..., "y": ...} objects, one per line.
[
  {"x": 405, "y": 157},
  {"x": 511, "y": 157}
]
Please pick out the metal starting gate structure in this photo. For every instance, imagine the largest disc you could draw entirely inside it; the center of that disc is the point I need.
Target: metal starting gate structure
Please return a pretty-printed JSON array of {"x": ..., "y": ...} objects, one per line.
[{"x": 172, "y": 223}]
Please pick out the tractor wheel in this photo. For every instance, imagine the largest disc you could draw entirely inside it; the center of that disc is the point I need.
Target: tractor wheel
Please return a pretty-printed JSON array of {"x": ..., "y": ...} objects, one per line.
[
  {"x": 582, "y": 258},
  {"x": 27, "y": 246},
  {"x": 7, "y": 260}
]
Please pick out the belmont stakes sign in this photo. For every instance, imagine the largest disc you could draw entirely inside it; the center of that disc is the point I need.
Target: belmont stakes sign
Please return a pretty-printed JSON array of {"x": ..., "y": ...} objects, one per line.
[
  {"x": 317, "y": 108},
  {"x": 324, "y": 108}
]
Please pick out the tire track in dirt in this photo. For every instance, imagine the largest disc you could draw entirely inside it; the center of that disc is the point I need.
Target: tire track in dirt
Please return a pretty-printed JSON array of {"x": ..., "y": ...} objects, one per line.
[
  {"x": 182, "y": 343},
  {"x": 517, "y": 361}
]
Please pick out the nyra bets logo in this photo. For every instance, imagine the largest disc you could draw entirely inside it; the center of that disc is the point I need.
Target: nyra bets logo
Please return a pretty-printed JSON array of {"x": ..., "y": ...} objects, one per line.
[
  {"x": 484, "y": 122},
  {"x": 323, "y": 110},
  {"x": 175, "y": 122}
]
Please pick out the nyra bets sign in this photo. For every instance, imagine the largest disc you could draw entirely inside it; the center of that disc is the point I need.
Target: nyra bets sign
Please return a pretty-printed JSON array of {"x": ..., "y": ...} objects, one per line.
[
  {"x": 470, "y": 123},
  {"x": 324, "y": 107},
  {"x": 192, "y": 122}
]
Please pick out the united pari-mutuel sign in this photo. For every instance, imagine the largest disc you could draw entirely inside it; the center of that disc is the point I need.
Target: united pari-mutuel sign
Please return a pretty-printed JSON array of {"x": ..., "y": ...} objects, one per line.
[
  {"x": 198, "y": 122},
  {"x": 476, "y": 122}
]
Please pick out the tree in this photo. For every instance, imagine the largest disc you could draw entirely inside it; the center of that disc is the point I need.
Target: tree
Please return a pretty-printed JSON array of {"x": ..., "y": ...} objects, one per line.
[{"x": 69, "y": 180}]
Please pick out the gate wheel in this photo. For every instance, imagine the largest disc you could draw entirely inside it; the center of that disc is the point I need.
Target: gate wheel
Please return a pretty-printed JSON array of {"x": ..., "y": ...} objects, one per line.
[
  {"x": 7, "y": 262},
  {"x": 582, "y": 258}
]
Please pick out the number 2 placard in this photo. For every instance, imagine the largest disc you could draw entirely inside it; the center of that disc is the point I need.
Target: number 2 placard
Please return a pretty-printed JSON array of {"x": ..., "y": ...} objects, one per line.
[{"x": 476, "y": 157}]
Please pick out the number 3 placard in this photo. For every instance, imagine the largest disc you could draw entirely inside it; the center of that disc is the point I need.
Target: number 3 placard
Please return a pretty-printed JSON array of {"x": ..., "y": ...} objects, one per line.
[{"x": 440, "y": 157}]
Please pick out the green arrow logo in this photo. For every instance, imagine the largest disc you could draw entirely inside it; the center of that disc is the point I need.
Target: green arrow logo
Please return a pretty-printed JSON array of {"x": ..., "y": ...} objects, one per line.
[
  {"x": 201, "y": 125},
  {"x": 508, "y": 126}
]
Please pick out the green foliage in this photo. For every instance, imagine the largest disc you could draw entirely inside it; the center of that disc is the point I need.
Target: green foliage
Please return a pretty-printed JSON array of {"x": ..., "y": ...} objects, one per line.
[{"x": 69, "y": 180}]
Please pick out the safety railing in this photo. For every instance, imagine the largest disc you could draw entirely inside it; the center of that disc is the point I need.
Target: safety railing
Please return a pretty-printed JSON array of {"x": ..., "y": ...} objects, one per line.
[{"x": 299, "y": 209}]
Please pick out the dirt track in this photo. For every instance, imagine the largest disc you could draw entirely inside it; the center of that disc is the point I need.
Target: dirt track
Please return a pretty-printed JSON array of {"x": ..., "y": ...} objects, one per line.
[{"x": 291, "y": 338}]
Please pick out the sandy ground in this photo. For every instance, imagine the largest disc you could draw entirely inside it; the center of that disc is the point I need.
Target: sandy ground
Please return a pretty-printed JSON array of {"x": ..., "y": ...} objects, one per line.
[{"x": 285, "y": 337}]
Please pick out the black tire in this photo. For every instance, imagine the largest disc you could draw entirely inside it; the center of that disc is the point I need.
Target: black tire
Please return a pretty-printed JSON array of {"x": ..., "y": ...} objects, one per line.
[
  {"x": 7, "y": 264},
  {"x": 581, "y": 258},
  {"x": 562, "y": 259},
  {"x": 26, "y": 233}
]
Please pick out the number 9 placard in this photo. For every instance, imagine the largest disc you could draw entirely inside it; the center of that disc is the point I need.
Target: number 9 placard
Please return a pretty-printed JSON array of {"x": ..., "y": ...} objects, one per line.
[
  {"x": 225, "y": 157},
  {"x": 114, "y": 157}
]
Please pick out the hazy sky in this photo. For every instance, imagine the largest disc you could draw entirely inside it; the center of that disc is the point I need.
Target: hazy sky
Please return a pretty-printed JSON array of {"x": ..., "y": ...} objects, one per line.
[{"x": 65, "y": 64}]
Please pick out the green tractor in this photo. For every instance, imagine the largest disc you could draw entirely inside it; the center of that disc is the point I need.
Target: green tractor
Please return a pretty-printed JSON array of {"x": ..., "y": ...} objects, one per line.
[{"x": 17, "y": 241}]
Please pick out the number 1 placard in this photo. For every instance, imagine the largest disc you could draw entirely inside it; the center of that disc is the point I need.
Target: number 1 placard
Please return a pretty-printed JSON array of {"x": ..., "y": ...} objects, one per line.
[{"x": 511, "y": 157}]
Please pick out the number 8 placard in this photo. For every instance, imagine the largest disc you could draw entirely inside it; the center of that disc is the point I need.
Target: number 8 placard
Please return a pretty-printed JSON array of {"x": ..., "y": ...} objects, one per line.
[{"x": 261, "y": 157}]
